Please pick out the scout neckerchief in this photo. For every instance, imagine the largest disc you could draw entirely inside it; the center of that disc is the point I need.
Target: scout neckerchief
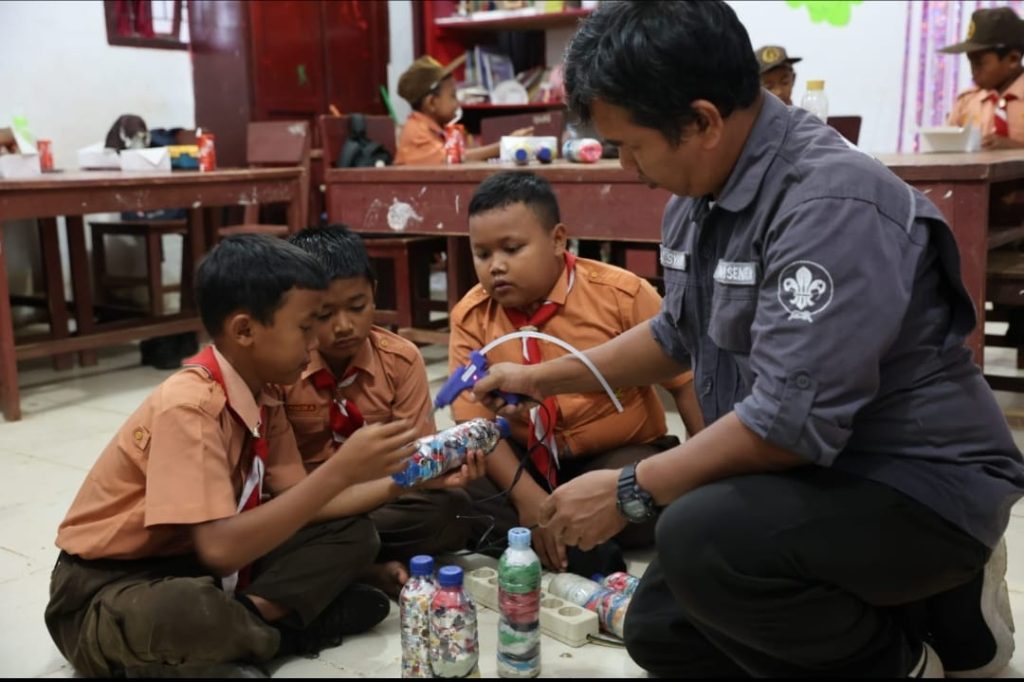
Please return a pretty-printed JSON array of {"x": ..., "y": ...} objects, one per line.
[{"x": 345, "y": 416}]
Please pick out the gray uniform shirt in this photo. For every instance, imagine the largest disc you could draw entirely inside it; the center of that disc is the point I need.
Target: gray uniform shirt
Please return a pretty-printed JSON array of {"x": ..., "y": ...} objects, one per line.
[{"x": 820, "y": 298}]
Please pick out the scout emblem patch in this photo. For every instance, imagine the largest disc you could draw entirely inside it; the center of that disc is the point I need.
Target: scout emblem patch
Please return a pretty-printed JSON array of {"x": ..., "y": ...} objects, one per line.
[{"x": 805, "y": 289}]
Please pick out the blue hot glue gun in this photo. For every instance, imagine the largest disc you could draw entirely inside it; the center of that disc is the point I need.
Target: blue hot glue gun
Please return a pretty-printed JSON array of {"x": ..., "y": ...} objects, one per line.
[{"x": 465, "y": 378}]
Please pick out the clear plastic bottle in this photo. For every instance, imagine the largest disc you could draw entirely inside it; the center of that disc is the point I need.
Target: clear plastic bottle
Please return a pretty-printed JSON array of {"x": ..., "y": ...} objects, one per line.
[
  {"x": 414, "y": 616},
  {"x": 454, "y": 648},
  {"x": 619, "y": 581},
  {"x": 582, "y": 150},
  {"x": 815, "y": 100},
  {"x": 447, "y": 450},
  {"x": 519, "y": 605},
  {"x": 609, "y": 605}
]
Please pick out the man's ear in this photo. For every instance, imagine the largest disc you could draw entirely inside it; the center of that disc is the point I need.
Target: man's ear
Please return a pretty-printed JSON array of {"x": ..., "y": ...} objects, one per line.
[
  {"x": 240, "y": 328},
  {"x": 709, "y": 123}
]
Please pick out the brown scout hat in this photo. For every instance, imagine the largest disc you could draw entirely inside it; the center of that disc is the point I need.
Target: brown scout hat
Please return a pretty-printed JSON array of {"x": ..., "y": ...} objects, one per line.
[
  {"x": 770, "y": 56},
  {"x": 990, "y": 29},
  {"x": 422, "y": 77}
]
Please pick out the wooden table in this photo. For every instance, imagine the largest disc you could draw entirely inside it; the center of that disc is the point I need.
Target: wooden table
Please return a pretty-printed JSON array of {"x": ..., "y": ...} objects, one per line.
[
  {"x": 973, "y": 191},
  {"x": 75, "y": 194}
]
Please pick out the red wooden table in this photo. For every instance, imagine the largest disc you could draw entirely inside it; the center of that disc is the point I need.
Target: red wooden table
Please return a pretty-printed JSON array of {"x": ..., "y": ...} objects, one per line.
[{"x": 75, "y": 194}]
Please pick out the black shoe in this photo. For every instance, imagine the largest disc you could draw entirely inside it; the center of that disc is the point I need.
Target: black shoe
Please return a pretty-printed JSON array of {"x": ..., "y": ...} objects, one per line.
[
  {"x": 971, "y": 626},
  {"x": 605, "y": 559},
  {"x": 212, "y": 670},
  {"x": 356, "y": 610}
]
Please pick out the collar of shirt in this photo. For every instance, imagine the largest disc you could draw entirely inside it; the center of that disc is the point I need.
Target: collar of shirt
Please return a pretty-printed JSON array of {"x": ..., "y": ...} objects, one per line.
[
  {"x": 363, "y": 360},
  {"x": 762, "y": 145},
  {"x": 239, "y": 396},
  {"x": 1016, "y": 88},
  {"x": 425, "y": 122}
]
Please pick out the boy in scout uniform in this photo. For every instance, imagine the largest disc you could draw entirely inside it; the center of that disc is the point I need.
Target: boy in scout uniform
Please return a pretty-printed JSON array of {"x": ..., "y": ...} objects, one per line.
[
  {"x": 363, "y": 374},
  {"x": 777, "y": 74},
  {"x": 429, "y": 88},
  {"x": 994, "y": 45},
  {"x": 529, "y": 280},
  {"x": 197, "y": 544}
]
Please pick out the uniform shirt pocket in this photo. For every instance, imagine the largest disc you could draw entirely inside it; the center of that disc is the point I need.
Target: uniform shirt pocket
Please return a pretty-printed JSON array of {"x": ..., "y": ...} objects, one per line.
[{"x": 732, "y": 316}]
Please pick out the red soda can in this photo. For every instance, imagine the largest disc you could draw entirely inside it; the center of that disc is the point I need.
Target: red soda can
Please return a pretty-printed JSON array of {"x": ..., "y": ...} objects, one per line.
[
  {"x": 45, "y": 148},
  {"x": 207, "y": 153},
  {"x": 454, "y": 143}
]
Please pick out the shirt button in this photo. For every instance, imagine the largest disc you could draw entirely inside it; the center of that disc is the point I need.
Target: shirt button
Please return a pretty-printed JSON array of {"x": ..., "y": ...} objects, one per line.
[
  {"x": 803, "y": 382},
  {"x": 707, "y": 386}
]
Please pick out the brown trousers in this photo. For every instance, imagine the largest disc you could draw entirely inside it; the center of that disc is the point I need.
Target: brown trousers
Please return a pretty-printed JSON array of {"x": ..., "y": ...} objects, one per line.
[
  {"x": 423, "y": 522},
  {"x": 494, "y": 514},
  {"x": 108, "y": 616}
]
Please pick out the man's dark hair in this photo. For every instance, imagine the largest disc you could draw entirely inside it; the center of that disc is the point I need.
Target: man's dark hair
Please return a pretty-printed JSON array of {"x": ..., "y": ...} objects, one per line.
[
  {"x": 252, "y": 272},
  {"x": 655, "y": 58},
  {"x": 516, "y": 187},
  {"x": 339, "y": 250}
]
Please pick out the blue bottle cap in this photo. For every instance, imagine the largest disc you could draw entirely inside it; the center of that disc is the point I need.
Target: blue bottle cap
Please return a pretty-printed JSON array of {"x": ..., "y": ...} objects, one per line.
[
  {"x": 450, "y": 576},
  {"x": 503, "y": 427},
  {"x": 519, "y": 537},
  {"x": 597, "y": 577},
  {"x": 544, "y": 155},
  {"x": 522, "y": 156},
  {"x": 421, "y": 564}
]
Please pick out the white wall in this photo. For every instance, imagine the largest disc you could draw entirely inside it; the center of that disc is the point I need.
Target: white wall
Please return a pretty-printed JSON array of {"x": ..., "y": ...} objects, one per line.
[
  {"x": 60, "y": 73},
  {"x": 400, "y": 29}
]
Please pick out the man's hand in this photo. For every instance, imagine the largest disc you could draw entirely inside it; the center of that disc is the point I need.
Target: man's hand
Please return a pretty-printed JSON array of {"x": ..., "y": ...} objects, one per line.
[
  {"x": 510, "y": 378},
  {"x": 474, "y": 467},
  {"x": 993, "y": 141},
  {"x": 584, "y": 512},
  {"x": 550, "y": 551}
]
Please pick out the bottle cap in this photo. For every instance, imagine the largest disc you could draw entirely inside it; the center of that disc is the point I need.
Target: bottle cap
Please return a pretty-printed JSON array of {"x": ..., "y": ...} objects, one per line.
[
  {"x": 450, "y": 576},
  {"x": 421, "y": 564},
  {"x": 503, "y": 427},
  {"x": 815, "y": 85},
  {"x": 519, "y": 537}
]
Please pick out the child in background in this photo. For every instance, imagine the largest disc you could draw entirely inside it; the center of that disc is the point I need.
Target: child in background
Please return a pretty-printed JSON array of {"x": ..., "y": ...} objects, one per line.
[
  {"x": 197, "y": 544},
  {"x": 777, "y": 74},
  {"x": 994, "y": 45},
  {"x": 528, "y": 280},
  {"x": 360, "y": 374},
  {"x": 429, "y": 88}
]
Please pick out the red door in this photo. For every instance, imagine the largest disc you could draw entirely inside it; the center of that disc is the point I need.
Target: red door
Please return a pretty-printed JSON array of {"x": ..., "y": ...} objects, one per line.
[
  {"x": 356, "y": 53},
  {"x": 287, "y": 60}
]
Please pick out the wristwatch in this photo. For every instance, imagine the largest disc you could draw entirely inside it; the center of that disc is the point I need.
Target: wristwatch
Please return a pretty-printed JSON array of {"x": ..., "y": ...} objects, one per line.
[{"x": 635, "y": 503}]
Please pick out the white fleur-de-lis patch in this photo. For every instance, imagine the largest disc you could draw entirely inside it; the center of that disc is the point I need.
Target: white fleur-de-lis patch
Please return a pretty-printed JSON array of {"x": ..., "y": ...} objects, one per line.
[{"x": 805, "y": 289}]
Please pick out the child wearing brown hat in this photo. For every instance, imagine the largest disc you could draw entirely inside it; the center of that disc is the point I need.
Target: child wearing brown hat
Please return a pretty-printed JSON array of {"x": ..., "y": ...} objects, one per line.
[
  {"x": 429, "y": 88},
  {"x": 994, "y": 45},
  {"x": 777, "y": 74}
]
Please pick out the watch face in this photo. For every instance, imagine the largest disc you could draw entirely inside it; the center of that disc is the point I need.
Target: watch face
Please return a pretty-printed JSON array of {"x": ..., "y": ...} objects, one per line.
[{"x": 634, "y": 509}]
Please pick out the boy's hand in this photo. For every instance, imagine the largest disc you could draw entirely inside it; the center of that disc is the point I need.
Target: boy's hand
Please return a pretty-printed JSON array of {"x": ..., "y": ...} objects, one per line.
[
  {"x": 376, "y": 450},
  {"x": 473, "y": 468},
  {"x": 993, "y": 141},
  {"x": 522, "y": 132},
  {"x": 511, "y": 378}
]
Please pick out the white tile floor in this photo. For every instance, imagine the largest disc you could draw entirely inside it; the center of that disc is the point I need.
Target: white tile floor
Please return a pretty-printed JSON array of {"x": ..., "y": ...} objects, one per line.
[{"x": 70, "y": 416}]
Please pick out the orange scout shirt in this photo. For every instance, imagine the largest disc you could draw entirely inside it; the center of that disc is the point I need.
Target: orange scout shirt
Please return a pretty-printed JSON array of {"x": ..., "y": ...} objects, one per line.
[
  {"x": 975, "y": 106},
  {"x": 391, "y": 384},
  {"x": 176, "y": 462},
  {"x": 605, "y": 301},
  {"x": 421, "y": 142}
]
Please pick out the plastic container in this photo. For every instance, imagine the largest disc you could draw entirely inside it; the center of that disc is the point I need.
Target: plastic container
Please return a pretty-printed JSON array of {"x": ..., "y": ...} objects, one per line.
[
  {"x": 414, "y": 617},
  {"x": 620, "y": 581},
  {"x": 815, "y": 100},
  {"x": 582, "y": 150},
  {"x": 609, "y": 605},
  {"x": 519, "y": 575},
  {"x": 454, "y": 645},
  {"x": 447, "y": 450}
]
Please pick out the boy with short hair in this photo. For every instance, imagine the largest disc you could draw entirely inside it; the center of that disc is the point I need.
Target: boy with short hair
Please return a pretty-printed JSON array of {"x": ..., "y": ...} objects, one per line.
[
  {"x": 197, "y": 543},
  {"x": 529, "y": 280},
  {"x": 359, "y": 374},
  {"x": 777, "y": 74},
  {"x": 429, "y": 88},
  {"x": 994, "y": 46}
]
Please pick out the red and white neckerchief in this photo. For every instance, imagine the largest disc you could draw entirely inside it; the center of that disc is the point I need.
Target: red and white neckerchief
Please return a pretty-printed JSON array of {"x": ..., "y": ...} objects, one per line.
[
  {"x": 542, "y": 421},
  {"x": 256, "y": 452},
  {"x": 345, "y": 417},
  {"x": 1000, "y": 120}
]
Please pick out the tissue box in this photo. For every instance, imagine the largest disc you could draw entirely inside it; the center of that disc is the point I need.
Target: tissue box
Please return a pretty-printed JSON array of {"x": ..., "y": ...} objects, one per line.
[
  {"x": 950, "y": 139},
  {"x": 509, "y": 146},
  {"x": 22, "y": 161},
  {"x": 98, "y": 157},
  {"x": 149, "y": 160}
]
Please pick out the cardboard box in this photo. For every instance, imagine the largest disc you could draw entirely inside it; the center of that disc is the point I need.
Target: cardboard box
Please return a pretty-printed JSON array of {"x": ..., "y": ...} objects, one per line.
[
  {"x": 98, "y": 157},
  {"x": 153, "y": 159},
  {"x": 18, "y": 156}
]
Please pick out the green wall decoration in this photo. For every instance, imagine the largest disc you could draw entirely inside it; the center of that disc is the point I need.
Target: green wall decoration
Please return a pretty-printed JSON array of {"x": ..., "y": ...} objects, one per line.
[{"x": 835, "y": 12}]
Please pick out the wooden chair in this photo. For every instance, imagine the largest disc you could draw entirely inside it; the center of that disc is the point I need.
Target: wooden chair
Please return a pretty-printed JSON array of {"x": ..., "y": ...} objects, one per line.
[
  {"x": 272, "y": 144},
  {"x": 847, "y": 126},
  {"x": 403, "y": 262},
  {"x": 1004, "y": 289}
]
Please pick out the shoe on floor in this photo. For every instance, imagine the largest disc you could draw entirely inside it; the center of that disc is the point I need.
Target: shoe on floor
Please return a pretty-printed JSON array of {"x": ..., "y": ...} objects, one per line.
[
  {"x": 972, "y": 625},
  {"x": 355, "y": 610},
  {"x": 929, "y": 666}
]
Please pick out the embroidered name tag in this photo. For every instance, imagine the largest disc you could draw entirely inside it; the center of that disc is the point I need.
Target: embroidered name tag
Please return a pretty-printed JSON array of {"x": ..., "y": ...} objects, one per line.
[
  {"x": 728, "y": 272},
  {"x": 676, "y": 260},
  {"x": 299, "y": 408}
]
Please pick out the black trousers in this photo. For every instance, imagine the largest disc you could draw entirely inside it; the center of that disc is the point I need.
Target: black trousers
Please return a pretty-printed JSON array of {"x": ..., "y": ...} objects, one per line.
[{"x": 807, "y": 572}]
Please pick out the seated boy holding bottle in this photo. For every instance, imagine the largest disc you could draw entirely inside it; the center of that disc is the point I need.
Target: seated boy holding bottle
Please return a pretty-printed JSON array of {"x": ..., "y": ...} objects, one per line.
[{"x": 364, "y": 374}]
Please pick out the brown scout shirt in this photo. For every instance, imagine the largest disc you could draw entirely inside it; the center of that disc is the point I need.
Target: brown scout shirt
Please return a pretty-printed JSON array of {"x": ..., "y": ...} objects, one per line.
[
  {"x": 421, "y": 142},
  {"x": 974, "y": 106}
]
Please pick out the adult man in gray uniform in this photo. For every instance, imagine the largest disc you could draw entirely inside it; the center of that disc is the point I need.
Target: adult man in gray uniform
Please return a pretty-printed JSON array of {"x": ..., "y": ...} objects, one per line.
[{"x": 839, "y": 513}]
